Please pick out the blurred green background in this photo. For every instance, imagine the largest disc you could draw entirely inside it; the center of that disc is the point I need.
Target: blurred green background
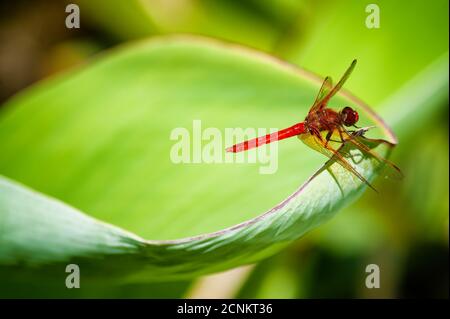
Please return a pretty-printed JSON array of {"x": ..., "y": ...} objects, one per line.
[{"x": 405, "y": 232}]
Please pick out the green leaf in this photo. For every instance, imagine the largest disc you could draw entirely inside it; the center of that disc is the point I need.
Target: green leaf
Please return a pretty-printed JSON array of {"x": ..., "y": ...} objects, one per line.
[{"x": 98, "y": 139}]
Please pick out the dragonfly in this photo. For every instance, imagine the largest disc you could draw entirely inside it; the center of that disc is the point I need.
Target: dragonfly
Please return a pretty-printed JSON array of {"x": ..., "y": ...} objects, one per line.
[{"x": 324, "y": 128}]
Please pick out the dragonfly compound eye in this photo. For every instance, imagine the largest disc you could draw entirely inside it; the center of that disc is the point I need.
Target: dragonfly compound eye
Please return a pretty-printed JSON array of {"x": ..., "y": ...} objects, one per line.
[{"x": 349, "y": 116}]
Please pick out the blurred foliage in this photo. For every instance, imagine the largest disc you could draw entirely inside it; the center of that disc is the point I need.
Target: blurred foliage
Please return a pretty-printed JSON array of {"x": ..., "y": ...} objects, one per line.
[
  {"x": 405, "y": 228},
  {"x": 410, "y": 37},
  {"x": 149, "y": 17},
  {"x": 320, "y": 35}
]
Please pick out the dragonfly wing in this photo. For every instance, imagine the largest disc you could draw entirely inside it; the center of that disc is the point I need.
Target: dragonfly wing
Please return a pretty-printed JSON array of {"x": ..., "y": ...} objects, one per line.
[
  {"x": 333, "y": 154},
  {"x": 327, "y": 85},
  {"x": 362, "y": 142},
  {"x": 339, "y": 84},
  {"x": 325, "y": 89}
]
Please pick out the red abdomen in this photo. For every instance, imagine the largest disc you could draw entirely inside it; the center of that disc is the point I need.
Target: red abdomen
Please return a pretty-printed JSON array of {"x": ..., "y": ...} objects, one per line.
[{"x": 294, "y": 130}]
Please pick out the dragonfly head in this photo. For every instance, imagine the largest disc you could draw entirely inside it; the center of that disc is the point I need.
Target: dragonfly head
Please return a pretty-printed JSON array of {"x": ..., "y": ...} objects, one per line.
[{"x": 349, "y": 116}]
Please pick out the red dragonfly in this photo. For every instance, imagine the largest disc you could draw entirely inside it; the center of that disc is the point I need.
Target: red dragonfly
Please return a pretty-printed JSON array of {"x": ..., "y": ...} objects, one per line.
[{"x": 323, "y": 125}]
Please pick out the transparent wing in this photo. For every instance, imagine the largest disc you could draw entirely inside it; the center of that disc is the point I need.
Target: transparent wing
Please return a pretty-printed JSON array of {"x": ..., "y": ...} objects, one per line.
[
  {"x": 327, "y": 85},
  {"x": 339, "y": 85},
  {"x": 362, "y": 142},
  {"x": 333, "y": 154}
]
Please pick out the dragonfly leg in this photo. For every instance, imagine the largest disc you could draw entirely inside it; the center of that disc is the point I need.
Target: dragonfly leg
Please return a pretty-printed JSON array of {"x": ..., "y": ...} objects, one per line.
[
  {"x": 330, "y": 133},
  {"x": 340, "y": 135},
  {"x": 328, "y": 137},
  {"x": 316, "y": 132}
]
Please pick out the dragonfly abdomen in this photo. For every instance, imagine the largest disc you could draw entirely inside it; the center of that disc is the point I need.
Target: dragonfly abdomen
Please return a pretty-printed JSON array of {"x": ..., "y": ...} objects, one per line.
[{"x": 294, "y": 130}]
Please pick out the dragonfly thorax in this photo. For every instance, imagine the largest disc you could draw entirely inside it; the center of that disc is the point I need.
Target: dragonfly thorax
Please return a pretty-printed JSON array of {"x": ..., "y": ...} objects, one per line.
[{"x": 323, "y": 120}]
